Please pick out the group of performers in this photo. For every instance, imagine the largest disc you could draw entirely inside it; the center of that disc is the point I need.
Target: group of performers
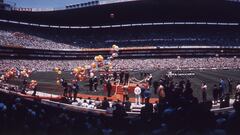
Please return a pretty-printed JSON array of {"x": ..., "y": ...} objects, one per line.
[
  {"x": 32, "y": 85},
  {"x": 93, "y": 84},
  {"x": 122, "y": 79},
  {"x": 70, "y": 90},
  {"x": 116, "y": 77}
]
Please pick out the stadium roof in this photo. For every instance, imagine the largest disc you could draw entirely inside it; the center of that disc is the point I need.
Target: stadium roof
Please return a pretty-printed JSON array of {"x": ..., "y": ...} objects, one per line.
[{"x": 133, "y": 12}]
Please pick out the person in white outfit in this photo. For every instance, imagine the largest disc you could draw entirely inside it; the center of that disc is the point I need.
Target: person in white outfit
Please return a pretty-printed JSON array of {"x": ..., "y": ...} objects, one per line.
[
  {"x": 237, "y": 95},
  {"x": 204, "y": 91},
  {"x": 137, "y": 92}
]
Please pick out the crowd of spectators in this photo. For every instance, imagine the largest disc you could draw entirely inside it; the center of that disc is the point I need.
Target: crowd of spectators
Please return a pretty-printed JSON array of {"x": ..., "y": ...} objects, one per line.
[
  {"x": 104, "y": 104},
  {"x": 128, "y": 64},
  {"x": 182, "y": 114},
  {"x": 22, "y": 40},
  {"x": 153, "y": 36}
]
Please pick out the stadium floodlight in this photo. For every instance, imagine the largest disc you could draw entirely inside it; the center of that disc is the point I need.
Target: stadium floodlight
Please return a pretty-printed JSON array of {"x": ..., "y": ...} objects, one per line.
[
  {"x": 147, "y": 24},
  {"x": 23, "y": 23},
  {"x": 74, "y": 27},
  {"x": 13, "y": 22},
  {"x": 64, "y": 27},
  {"x": 222, "y": 23},
  {"x": 211, "y": 23},
  {"x": 54, "y": 26},
  {"x": 126, "y": 25},
  {"x": 201, "y": 23},
  {"x": 34, "y": 24},
  {"x": 105, "y": 26},
  {"x": 190, "y": 23},
  {"x": 85, "y": 27},
  {"x": 95, "y": 27},
  {"x": 116, "y": 26},
  {"x": 3, "y": 20},
  {"x": 158, "y": 23},
  {"x": 168, "y": 23},
  {"x": 233, "y": 23},
  {"x": 179, "y": 23},
  {"x": 137, "y": 24}
]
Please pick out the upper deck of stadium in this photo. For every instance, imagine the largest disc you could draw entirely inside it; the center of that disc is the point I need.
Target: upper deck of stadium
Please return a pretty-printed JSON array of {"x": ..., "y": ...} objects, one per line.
[{"x": 131, "y": 13}]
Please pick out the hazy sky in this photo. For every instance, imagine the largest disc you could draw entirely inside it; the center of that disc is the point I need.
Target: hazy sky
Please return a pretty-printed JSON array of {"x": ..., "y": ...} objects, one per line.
[{"x": 44, "y": 3}]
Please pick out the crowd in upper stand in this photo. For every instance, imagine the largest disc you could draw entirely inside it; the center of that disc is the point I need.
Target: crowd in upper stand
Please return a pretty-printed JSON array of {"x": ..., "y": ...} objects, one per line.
[
  {"x": 60, "y": 39},
  {"x": 129, "y": 64},
  {"x": 22, "y": 40}
]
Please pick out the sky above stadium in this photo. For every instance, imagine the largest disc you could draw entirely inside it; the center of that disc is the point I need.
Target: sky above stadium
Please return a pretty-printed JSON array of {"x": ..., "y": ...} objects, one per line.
[{"x": 44, "y": 3}]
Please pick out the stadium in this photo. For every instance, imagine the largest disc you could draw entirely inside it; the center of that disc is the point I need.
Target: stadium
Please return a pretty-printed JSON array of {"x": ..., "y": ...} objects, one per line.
[{"x": 121, "y": 67}]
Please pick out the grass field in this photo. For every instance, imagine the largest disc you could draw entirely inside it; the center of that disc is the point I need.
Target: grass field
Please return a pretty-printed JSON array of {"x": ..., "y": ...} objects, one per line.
[{"x": 47, "y": 80}]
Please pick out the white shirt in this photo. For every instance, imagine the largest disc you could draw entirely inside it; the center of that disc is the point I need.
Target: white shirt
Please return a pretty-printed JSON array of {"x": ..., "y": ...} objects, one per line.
[
  {"x": 137, "y": 90},
  {"x": 238, "y": 88},
  {"x": 85, "y": 105},
  {"x": 204, "y": 87}
]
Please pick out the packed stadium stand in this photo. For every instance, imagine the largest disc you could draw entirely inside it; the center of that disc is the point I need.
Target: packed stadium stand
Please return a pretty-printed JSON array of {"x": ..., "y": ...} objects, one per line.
[
  {"x": 46, "y": 38},
  {"x": 160, "y": 41}
]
